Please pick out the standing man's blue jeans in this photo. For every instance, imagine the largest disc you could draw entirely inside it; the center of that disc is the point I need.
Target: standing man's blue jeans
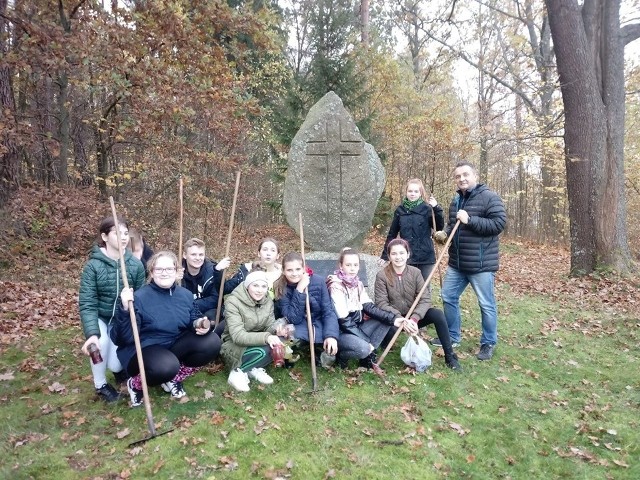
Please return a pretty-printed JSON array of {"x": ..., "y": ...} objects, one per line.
[{"x": 482, "y": 283}]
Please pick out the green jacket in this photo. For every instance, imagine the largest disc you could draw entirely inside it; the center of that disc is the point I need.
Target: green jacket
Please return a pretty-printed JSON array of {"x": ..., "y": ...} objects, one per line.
[
  {"x": 100, "y": 287},
  {"x": 249, "y": 324}
]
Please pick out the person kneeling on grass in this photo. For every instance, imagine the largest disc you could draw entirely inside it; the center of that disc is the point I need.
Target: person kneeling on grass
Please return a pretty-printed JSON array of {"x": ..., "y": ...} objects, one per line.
[
  {"x": 291, "y": 296},
  {"x": 397, "y": 286},
  {"x": 250, "y": 332},
  {"x": 173, "y": 346},
  {"x": 363, "y": 326},
  {"x": 98, "y": 299}
]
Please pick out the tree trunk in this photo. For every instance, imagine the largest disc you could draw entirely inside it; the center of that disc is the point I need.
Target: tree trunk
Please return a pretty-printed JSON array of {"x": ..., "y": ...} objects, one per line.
[
  {"x": 589, "y": 53},
  {"x": 364, "y": 23},
  {"x": 9, "y": 158}
]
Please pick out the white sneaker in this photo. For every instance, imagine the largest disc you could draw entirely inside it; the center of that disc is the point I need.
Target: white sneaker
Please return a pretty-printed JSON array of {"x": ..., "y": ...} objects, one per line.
[
  {"x": 174, "y": 388},
  {"x": 260, "y": 375},
  {"x": 239, "y": 380}
]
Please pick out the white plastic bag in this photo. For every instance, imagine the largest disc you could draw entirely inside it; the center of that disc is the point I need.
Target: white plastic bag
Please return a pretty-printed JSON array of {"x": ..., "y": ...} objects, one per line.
[{"x": 416, "y": 353}]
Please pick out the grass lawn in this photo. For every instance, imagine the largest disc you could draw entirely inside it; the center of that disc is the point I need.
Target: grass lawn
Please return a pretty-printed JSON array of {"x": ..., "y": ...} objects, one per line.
[{"x": 560, "y": 399}]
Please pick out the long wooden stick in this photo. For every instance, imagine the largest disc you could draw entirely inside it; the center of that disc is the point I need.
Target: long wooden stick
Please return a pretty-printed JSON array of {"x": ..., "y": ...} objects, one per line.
[
  {"x": 314, "y": 374},
  {"x": 422, "y": 290},
  {"x": 228, "y": 249},
  {"x": 435, "y": 248},
  {"x": 134, "y": 326},
  {"x": 181, "y": 215}
]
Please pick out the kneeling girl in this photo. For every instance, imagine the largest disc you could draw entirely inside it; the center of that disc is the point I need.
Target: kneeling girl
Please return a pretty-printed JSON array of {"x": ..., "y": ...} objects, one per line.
[{"x": 250, "y": 332}]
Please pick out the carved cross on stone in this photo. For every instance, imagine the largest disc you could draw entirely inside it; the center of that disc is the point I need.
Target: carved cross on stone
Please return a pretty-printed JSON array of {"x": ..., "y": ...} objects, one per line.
[
  {"x": 335, "y": 144},
  {"x": 334, "y": 179}
]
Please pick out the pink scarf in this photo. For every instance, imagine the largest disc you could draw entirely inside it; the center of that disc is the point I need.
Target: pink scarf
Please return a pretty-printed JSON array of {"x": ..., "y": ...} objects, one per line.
[{"x": 351, "y": 281}]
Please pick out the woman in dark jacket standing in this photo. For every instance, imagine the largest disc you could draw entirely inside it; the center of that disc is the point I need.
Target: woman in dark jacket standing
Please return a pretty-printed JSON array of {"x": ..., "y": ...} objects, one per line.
[
  {"x": 413, "y": 221},
  {"x": 100, "y": 286},
  {"x": 173, "y": 344}
]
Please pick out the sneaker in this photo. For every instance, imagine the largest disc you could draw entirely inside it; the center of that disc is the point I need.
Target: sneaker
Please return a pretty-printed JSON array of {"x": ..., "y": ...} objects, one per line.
[
  {"x": 486, "y": 351},
  {"x": 174, "y": 388},
  {"x": 239, "y": 380},
  {"x": 260, "y": 375},
  {"x": 437, "y": 343},
  {"x": 136, "y": 395},
  {"x": 107, "y": 393},
  {"x": 452, "y": 362}
]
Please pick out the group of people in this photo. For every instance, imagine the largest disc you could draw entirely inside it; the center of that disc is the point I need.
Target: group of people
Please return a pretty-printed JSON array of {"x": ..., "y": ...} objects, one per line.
[{"x": 265, "y": 303}]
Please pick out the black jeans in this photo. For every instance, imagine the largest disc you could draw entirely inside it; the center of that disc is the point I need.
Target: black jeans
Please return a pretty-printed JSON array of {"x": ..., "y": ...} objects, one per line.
[{"x": 161, "y": 364}]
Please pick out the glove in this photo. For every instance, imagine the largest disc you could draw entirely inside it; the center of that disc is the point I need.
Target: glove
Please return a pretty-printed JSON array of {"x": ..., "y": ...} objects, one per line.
[{"x": 440, "y": 237}]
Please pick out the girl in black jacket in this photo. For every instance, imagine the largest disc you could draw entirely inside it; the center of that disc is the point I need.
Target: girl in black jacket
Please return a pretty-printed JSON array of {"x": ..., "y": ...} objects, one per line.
[{"x": 413, "y": 221}]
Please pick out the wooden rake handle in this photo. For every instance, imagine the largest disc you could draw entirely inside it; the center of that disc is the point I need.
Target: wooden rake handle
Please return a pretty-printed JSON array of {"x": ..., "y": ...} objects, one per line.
[
  {"x": 228, "y": 248},
  {"x": 422, "y": 290},
  {"x": 134, "y": 326}
]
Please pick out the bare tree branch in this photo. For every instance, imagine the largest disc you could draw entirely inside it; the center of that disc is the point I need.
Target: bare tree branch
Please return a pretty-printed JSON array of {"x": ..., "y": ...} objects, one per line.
[
  {"x": 459, "y": 53},
  {"x": 630, "y": 32}
]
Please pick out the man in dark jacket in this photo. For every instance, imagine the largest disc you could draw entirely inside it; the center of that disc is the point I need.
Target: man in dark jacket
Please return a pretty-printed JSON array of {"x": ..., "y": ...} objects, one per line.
[{"x": 473, "y": 255}]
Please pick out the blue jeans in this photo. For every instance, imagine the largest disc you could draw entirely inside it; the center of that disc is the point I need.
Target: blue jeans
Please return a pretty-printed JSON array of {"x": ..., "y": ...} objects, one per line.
[{"x": 482, "y": 283}]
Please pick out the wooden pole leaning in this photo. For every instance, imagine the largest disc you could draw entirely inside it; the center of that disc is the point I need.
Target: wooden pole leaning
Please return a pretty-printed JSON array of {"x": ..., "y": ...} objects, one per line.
[
  {"x": 181, "y": 217},
  {"x": 435, "y": 248},
  {"x": 136, "y": 336},
  {"x": 420, "y": 293},
  {"x": 228, "y": 248},
  {"x": 314, "y": 374}
]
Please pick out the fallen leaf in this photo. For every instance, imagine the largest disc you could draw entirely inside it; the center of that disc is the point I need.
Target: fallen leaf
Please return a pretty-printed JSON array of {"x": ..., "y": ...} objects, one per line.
[
  {"x": 458, "y": 428},
  {"x": 6, "y": 376},
  {"x": 57, "y": 387},
  {"x": 123, "y": 433}
]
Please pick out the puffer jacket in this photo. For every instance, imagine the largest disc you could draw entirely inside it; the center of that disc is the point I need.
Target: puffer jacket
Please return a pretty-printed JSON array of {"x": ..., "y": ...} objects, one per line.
[
  {"x": 162, "y": 314},
  {"x": 323, "y": 316},
  {"x": 475, "y": 246},
  {"x": 398, "y": 295},
  {"x": 415, "y": 226},
  {"x": 248, "y": 324},
  {"x": 100, "y": 287}
]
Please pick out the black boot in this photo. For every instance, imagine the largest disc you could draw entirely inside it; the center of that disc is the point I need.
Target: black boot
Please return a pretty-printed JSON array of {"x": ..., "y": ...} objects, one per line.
[
  {"x": 451, "y": 360},
  {"x": 121, "y": 377},
  {"x": 369, "y": 363},
  {"x": 341, "y": 362}
]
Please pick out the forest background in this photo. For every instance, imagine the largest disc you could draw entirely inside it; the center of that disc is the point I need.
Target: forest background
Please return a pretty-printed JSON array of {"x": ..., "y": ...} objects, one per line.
[{"x": 124, "y": 98}]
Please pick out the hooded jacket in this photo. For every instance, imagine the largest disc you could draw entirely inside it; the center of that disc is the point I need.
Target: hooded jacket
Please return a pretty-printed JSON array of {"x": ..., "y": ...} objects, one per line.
[
  {"x": 475, "y": 246},
  {"x": 162, "y": 315},
  {"x": 415, "y": 227},
  {"x": 248, "y": 324},
  {"x": 100, "y": 287}
]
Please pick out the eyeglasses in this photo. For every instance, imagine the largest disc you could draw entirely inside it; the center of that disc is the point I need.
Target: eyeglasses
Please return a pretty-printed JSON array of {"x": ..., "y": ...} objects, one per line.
[{"x": 164, "y": 270}]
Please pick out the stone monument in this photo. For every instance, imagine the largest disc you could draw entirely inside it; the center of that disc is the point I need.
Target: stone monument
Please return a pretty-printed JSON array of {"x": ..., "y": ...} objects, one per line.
[{"x": 334, "y": 178}]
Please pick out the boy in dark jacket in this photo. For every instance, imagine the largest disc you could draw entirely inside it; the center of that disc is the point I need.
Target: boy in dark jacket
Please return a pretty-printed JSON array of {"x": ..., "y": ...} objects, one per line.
[{"x": 202, "y": 277}]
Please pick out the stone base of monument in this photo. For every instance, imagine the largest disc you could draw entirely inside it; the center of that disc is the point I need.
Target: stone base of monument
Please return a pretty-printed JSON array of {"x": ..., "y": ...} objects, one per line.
[{"x": 325, "y": 263}]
